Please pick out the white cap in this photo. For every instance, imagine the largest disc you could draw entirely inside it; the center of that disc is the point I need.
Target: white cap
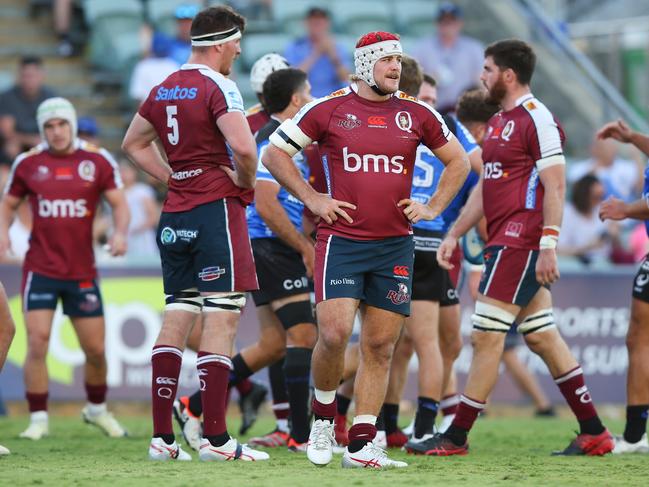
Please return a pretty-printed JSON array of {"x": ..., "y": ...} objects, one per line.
[
  {"x": 262, "y": 68},
  {"x": 372, "y": 47},
  {"x": 56, "y": 108}
]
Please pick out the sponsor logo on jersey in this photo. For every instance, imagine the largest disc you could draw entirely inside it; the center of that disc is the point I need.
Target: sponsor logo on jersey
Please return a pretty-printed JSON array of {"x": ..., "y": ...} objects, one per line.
[
  {"x": 350, "y": 122},
  {"x": 344, "y": 281},
  {"x": 234, "y": 100},
  {"x": 42, "y": 173},
  {"x": 376, "y": 121},
  {"x": 87, "y": 170},
  {"x": 399, "y": 297},
  {"x": 508, "y": 130},
  {"x": 401, "y": 271},
  {"x": 403, "y": 121},
  {"x": 530, "y": 105},
  {"x": 513, "y": 229},
  {"x": 405, "y": 96},
  {"x": 175, "y": 93},
  {"x": 336, "y": 93},
  {"x": 191, "y": 173},
  {"x": 63, "y": 173},
  {"x": 290, "y": 284},
  {"x": 167, "y": 236},
  {"x": 62, "y": 208},
  {"x": 493, "y": 170},
  {"x": 376, "y": 163},
  {"x": 211, "y": 273}
]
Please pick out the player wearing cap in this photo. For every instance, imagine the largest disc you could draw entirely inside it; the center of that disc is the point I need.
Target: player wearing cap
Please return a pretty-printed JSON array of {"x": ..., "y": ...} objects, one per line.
[
  {"x": 207, "y": 264},
  {"x": 368, "y": 135},
  {"x": 521, "y": 195},
  {"x": 63, "y": 179},
  {"x": 257, "y": 115}
]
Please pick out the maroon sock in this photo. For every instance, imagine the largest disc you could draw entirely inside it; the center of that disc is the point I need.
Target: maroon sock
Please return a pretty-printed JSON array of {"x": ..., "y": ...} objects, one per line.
[
  {"x": 572, "y": 386},
  {"x": 449, "y": 403},
  {"x": 214, "y": 373},
  {"x": 165, "y": 369},
  {"x": 467, "y": 412},
  {"x": 96, "y": 394},
  {"x": 244, "y": 386},
  {"x": 324, "y": 411},
  {"x": 360, "y": 435},
  {"x": 281, "y": 410},
  {"x": 37, "y": 401}
]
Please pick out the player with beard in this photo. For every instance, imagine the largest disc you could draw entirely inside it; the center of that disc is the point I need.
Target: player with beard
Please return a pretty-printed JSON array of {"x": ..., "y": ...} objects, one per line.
[
  {"x": 207, "y": 264},
  {"x": 521, "y": 194},
  {"x": 368, "y": 135}
]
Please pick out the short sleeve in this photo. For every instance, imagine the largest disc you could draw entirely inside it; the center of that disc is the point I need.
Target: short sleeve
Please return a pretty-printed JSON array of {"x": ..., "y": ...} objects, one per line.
[
  {"x": 544, "y": 137},
  {"x": 308, "y": 125},
  {"x": 225, "y": 98},
  {"x": 16, "y": 184},
  {"x": 109, "y": 176},
  {"x": 435, "y": 131},
  {"x": 145, "y": 107}
]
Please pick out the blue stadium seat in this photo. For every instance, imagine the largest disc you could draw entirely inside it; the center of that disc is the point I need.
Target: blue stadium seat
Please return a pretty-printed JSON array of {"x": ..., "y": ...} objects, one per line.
[{"x": 253, "y": 46}]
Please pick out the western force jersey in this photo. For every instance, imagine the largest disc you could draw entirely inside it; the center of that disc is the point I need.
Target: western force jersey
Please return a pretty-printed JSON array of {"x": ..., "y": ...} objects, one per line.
[
  {"x": 368, "y": 151},
  {"x": 293, "y": 207},
  {"x": 63, "y": 192},
  {"x": 428, "y": 171},
  {"x": 518, "y": 145},
  {"x": 184, "y": 109},
  {"x": 257, "y": 117}
]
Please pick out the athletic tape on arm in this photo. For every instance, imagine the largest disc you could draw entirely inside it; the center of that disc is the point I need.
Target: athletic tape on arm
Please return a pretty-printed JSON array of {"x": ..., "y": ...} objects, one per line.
[{"x": 290, "y": 138}]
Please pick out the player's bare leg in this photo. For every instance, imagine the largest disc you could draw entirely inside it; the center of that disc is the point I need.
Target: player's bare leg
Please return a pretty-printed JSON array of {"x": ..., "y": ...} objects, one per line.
[
  {"x": 335, "y": 324},
  {"x": 39, "y": 327},
  {"x": 91, "y": 334},
  {"x": 352, "y": 360},
  {"x": 450, "y": 344},
  {"x": 7, "y": 331},
  {"x": 422, "y": 326},
  {"x": 637, "y": 382},
  {"x": 525, "y": 380},
  {"x": 401, "y": 356}
]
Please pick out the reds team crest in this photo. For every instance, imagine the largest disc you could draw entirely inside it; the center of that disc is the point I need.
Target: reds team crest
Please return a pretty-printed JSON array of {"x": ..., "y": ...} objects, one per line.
[
  {"x": 87, "y": 170},
  {"x": 350, "y": 122},
  {"x": 508, "y": 130},
  {"x": 403, "y": 121}
]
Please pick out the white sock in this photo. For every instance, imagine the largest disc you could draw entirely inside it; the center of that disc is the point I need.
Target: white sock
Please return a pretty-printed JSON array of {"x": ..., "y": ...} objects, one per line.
[
  {"x": 282, "y": 425},
  {"x": 96, "y": 409},
  {"x": 39, "y": 417},
  {"x": 364, "y": 418},
  {"x": 325, "y": 397}
]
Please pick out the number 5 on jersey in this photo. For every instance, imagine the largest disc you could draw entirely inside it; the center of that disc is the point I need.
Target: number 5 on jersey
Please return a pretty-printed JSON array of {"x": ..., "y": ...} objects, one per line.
[{"x": 172, "y": 123}]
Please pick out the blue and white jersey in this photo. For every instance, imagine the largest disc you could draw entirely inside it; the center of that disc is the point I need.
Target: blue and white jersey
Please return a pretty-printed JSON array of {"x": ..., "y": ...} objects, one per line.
[
  {"x": 428, "y": 171},
  {"x": 293, "y": 207}
]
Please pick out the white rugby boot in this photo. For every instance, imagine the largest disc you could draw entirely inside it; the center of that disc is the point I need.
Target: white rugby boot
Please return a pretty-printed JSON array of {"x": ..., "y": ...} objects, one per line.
[
  {"x": 100, "y": 417},
  {"x": 322, "y": 440},
  {"x": 160, "y": 451},
  {"x": 622, "y": 446},
  {"x": 4, "y": 450},
  {"x": 370, "y": 456},
  {"x": 189, "y": 424},
  {"x": 232, "y": 450},
  {"x": 38, "y": 426},
  {"x": 381, "y": 439}
]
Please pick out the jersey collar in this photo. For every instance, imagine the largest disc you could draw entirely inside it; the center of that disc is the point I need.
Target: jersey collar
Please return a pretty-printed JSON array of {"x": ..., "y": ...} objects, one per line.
[
  {"x": 524, "y": 98},
  {"x": 188, "y": 66}
]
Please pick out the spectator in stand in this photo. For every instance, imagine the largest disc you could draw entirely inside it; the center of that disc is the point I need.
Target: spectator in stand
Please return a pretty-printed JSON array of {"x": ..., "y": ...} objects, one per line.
[
  {"x": 18, "y": 107},
  {"x": 62, "y": 10},
  {"x": 454, "y": 60},
  {"x": 144, "y": 213},
  {"x": 319, "y": 55},
  {"x": 583, "y": 234},
  {"x": 88, "y": 130},
  {"x": 152, "y": 70},
  {"x": 622, "y": 178},
  {"x": 181, "y": 47}
]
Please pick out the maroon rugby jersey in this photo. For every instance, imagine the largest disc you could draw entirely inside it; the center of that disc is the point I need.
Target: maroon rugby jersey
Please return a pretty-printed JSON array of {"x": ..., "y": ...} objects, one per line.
[
  {"x": 257, "y": 117},
  {"x": 368, "y": 151},
  {"x": 63, "y": 192},
  {"x": 184, "y": 109},
  {"x": 518, "y": 141}
]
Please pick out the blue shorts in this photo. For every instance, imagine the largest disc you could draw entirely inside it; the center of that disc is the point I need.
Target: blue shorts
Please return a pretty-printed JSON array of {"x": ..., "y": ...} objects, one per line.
[
  {"x": 207, "y": 248},
  {"x": 378, "y": 272},
  {"x": 81, "y": 299}
]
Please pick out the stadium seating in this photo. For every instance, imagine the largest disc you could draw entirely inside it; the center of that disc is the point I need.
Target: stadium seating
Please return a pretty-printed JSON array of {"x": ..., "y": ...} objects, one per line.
[
  {"x": 415, "y": 17},
  {"x": 161, "y": 14},
  {"x": 361, "y": 16},
  {"x": 289, "y": 14},
  {"x": 115, "y": 30},
  {"x": 253, "y": 46}
]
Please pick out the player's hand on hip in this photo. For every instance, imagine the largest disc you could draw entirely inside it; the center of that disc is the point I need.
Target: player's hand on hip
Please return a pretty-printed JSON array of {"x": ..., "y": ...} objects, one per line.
[
  {"x": 416, "y": 211},
  {"x": 612, "y": 209},
  {"x": 328, "y": 208},
  {"x": 234, "y": 176},
  {"x": 445, "y": 252},
  {"x": 547, "y": 268},
  {"x": 117, "y": 244}
]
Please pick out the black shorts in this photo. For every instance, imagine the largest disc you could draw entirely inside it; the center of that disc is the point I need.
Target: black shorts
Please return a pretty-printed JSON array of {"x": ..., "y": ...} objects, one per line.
[
  {"x": 280, "y": 271},
  {"x": 640, "y": 288},
  {"x": 81, "y": 299},
  {"x": 430, "y": 281},
  {"x": 207, "y": 248}
]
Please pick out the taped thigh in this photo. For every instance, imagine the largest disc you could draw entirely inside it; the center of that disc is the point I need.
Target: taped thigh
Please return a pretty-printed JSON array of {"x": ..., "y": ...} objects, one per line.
[
  {"x": 488, "y": 317},
  {"x": 233, "y": 302},
  {"x": 187, "y": 300},
  {"x": 542, "y": 320}
]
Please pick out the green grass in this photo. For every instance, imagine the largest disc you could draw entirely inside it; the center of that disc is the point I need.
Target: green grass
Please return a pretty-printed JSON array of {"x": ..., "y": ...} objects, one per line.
[{"x": 503, "y": 452}]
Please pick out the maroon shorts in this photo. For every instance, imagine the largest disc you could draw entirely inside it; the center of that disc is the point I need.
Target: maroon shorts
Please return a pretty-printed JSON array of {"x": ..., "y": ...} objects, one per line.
[{"x": 509, "y": 275}]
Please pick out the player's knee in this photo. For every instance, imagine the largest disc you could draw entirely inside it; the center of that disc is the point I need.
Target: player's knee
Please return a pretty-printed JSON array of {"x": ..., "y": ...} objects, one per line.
[
  {"x": 95, "y": 354},
  {"x": 333, "y": 338},
  {"x": 490, "y": 318},
  {"x": 219, "y": 302},
  {"x": 187, "y": 300},
  {"x": 303, "y": 335},
  {"x": 37, "y": 345},
  {"x": 378, "y": 347},
  {"x": 452, "y": 348}
]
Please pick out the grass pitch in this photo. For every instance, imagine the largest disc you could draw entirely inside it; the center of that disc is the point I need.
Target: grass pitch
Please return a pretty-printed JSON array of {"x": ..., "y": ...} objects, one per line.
[{"x": 503, "y": 452}]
